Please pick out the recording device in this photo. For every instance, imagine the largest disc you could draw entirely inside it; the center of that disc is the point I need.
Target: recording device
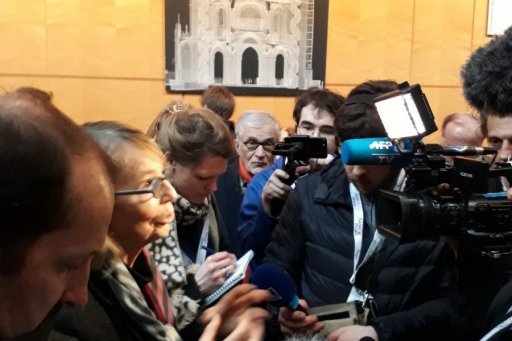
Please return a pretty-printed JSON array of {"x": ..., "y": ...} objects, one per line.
[
  {"x": 421, "y": 211},
  {"x": 273, "y": 278},
  {"x": 298, "y": 150},
  {"x": 382, "y": 151}
]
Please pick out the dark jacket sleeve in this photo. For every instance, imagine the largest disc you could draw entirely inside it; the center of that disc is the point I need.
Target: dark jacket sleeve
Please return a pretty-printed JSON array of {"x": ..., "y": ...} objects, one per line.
[
  {"x": 223, "y": 233},
  {"x": 287, "y": 245}
]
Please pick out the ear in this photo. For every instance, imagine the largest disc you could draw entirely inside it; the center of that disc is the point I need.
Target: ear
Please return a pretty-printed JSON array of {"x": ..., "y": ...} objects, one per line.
[{"x": 168, "y": 159}]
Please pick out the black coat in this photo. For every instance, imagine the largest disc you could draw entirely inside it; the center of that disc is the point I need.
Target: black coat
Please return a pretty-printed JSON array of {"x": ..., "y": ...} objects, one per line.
[
  {"x": 229, "y": 196},
  {"x": 314, "y": 242}
]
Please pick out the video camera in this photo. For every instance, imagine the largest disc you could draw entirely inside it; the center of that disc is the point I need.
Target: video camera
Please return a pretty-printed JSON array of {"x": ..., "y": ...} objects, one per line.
[
  {"x": 424, "y": 210},
  {"x": 297, "y": 149}
]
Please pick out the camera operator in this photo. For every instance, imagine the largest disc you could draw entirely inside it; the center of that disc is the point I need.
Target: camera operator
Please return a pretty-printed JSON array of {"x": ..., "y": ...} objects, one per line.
[
  {"x": 314, "y": 116},
  {"x": 487, "y": 85},
  {"x": 327, "y": 241}
]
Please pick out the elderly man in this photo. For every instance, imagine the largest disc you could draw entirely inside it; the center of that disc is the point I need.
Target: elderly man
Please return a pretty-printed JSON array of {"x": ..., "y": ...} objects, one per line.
[{"x": 257, "y": 133}]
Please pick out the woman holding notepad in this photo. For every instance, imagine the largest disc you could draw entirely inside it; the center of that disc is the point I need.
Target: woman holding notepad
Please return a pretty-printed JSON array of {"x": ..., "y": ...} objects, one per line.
[{"x": 197, "y": 145}]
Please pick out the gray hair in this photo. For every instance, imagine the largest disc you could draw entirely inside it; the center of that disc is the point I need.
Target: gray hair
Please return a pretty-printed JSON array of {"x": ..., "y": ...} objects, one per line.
[{"x": 256, "y": 119}]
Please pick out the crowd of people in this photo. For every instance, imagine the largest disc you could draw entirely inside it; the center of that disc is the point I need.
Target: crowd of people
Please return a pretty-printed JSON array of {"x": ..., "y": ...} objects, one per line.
[{"x": 110, "y": 233}]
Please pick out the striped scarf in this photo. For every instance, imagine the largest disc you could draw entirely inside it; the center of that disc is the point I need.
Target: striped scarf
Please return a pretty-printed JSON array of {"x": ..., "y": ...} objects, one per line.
[{"x": 155, "y": 292}]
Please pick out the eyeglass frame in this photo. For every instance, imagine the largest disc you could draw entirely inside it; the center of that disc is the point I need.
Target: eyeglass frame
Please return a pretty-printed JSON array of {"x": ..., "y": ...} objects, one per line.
[
  {"x": 267, "y": 146},
  {"x": 318, "y": 129},
  {"x": 147, "y": 190}
]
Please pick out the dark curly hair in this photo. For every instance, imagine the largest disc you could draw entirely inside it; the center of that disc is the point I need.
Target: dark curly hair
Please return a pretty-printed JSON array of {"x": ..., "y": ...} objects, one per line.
[{"x": 487, "y": 78}]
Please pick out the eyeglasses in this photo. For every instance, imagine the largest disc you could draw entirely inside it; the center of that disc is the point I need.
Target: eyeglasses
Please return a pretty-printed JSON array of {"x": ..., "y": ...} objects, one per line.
[
  {"x": 324, "y": 131},
  {"x": 156, "y": 188},
  {"x": 253, "y": 145}
]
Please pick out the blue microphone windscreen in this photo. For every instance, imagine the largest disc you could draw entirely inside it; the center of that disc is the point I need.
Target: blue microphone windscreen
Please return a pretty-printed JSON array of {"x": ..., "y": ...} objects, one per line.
[
  {"x": 373, "y": 151},
  {"x": 272, "y": 277}
]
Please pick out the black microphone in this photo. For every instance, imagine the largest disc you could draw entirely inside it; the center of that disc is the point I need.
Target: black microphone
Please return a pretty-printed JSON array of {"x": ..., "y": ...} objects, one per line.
[
  {"x": 273, "y": 278},
  {"x": 466, "y": 151}
]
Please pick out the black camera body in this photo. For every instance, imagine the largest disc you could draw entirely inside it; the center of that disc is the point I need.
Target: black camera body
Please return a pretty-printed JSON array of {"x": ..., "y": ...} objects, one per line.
[
  {"x": 466, "y": 210},
  {"x": 298, "y": 150}
]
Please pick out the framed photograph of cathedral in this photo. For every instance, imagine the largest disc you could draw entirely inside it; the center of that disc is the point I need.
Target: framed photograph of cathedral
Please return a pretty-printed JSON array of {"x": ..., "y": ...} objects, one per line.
[{"x": 254, "y": 47}]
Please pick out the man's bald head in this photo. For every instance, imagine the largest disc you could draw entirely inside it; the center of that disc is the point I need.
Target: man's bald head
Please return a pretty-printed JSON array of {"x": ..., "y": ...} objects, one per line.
[{"x": 461, "y": 129}]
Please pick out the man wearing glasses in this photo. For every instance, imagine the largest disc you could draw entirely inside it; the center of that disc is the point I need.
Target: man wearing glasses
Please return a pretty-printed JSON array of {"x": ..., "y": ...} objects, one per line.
[
  {"x": 314, "y": 116},
  {"x": 256, "y": 133}
]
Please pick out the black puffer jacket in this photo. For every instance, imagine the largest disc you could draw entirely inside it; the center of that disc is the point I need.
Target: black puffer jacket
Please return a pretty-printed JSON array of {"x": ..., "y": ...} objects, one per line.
[{"x": 314, "y": 242}]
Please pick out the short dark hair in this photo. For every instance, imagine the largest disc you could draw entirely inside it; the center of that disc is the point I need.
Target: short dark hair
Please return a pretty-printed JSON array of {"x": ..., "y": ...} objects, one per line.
[
  {"x": 358, "y": 117},
  {"x": 219, "y": 100},
  {"x": 322, "y": 99},
  {"x": 38, "y": 143},
  {"x": 487, "y": 78}
]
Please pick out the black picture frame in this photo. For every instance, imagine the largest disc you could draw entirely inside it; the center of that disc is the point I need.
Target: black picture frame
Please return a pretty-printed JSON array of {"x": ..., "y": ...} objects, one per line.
[{"x": 253, "y": 47}]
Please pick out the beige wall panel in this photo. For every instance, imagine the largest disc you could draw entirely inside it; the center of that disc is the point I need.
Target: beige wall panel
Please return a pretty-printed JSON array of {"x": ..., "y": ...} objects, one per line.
[
  {"x": 442, "y": 40},
  {"x": 106, "y": 38},
  {"x": 341, "y": 89},
  {"x": 23, "y": 37},
  {"x": 134, "y": 102},
  {"x": 480, "y": 23},
  {"x": 11, "y": 83},
  {"x": 105, "y": 58},
  {"x": 281, "y": 107},
  {"x": 368, "y": 40}
]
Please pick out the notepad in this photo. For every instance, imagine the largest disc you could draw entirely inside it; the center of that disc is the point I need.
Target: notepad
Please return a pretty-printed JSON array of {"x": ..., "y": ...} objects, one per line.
[{"x": 234, "y": 279}]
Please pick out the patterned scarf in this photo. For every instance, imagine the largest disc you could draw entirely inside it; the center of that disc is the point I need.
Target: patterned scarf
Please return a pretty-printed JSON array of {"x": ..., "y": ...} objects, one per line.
[
  {"x": 188, "y": 213},
  {"x": 167, "y": 254}
]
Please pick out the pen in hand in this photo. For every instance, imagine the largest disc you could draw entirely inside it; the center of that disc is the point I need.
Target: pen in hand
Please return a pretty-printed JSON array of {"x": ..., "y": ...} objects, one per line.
[{"x": 209, "y": 251}]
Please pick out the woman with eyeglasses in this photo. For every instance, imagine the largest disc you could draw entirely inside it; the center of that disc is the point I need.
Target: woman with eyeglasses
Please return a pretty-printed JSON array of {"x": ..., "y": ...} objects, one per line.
[
  {"x": 197, "y": 145},
  {"x": 128, "y": 299}
]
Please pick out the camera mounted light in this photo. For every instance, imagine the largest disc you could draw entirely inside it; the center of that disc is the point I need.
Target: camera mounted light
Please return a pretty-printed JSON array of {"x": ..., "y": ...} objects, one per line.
[{"x": 405, "y": 113}]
